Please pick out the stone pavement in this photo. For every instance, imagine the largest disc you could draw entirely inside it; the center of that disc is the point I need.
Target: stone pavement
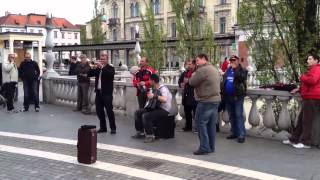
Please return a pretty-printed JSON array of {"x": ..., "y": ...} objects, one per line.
[{"x": 120, "y": 157}]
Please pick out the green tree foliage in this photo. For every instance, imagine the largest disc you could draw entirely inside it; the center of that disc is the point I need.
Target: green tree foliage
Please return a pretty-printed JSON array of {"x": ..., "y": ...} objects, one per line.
[
  {"x": 83, "y": 35},
  {"x": 96, "y": 30},
  {"x": 153, "y": 48},
  {"x": 195, "y": 34},
  {"x": 280, "y": 28}
]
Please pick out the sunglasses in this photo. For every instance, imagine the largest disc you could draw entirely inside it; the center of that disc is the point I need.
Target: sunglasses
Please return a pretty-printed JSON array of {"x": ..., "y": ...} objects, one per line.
[{"x": 232, "y": 59}]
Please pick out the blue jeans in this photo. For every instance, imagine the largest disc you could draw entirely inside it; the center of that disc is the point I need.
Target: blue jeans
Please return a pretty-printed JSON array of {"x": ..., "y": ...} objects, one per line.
[
  {"x": 234, "y": 106},
  {"x": 206, "y": 118},
  {"x": 31, "y": 93}
]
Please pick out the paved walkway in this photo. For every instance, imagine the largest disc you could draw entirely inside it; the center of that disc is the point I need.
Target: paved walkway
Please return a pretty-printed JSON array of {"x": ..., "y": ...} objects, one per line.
[{"x": 43, "y": 146}]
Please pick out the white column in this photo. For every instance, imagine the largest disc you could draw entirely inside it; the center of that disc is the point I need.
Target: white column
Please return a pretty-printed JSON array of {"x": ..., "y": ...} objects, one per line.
[
  {"x": 40, "y": 57},
  {"x": 11, "y": 46}
]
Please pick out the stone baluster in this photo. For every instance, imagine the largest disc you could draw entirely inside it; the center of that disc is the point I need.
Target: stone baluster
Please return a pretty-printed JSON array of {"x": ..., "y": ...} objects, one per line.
[
  {"x": 123, "y": 98},
  {"x": 174, "y": 108},
  {"x": 64, "y": 89},
  {"x": 254, "y": 118},
  {"x": 225, "y": 119},
  {"x": 59, "y": 92},
  {"x": 268, "y": 118},
  {"x": 74, "y": 93},
  {"x": 92, "y": 98},
  {"x": 284, "y": 121}
]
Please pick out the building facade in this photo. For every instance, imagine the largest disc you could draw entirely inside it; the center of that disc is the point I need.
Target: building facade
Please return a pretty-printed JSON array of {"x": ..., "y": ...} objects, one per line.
[
  {"x": 121, "y": 17},
  {"x": 65, "y": 33}
]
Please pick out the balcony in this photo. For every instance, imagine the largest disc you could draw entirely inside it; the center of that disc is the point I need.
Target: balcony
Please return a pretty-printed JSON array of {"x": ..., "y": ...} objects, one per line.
[
  {"x": 113, "y": 22},
  {"x": 222, "y": 7}
]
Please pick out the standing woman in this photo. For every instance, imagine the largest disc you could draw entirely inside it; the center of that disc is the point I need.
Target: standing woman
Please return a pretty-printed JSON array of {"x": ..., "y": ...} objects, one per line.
[
  {"x": 10, "y": 80},
  {"x": 310, "y": 93}
]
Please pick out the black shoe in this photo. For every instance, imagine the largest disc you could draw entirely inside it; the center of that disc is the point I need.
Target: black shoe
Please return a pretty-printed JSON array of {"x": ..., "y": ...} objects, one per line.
[
  {"x": 138, "y": 136},
  {"x": 76, "y": 110},
  {"x": 37, "y": 109},
  {"x": 232, "y": 137},
  {"x": 199, "y": 152},
  {"x": 113, "y": 132},
  {"x": 186, "y": 129},
  {"x": 241, "y": 140},
  {"x": 25, "y": 110},
  {"x": 102, "y": 131}
]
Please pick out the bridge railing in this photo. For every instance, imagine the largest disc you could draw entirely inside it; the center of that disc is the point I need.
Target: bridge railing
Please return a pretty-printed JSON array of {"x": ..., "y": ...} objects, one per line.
[{"x": 260, "y": 115}]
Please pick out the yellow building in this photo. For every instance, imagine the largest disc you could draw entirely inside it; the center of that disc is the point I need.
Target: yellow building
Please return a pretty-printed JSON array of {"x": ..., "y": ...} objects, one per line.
[{"x": 122, "y": 16}]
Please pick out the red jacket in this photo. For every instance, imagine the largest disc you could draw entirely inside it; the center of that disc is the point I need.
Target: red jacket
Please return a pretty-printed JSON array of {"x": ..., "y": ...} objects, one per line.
[
  {"x": 224, "y": 66},
  {"x": 310, "y": 83},
  {"x": 143, "y": 75}
]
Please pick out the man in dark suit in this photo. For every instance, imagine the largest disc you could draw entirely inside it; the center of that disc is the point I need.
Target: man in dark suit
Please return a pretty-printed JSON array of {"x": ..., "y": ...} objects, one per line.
[{"x": 104, "y": 74}]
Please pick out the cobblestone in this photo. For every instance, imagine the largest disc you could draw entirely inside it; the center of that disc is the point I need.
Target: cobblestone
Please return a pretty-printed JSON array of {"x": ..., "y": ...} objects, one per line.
[
  {"x": 165, "y": 167},
  {"x": 21, "y": 167}
]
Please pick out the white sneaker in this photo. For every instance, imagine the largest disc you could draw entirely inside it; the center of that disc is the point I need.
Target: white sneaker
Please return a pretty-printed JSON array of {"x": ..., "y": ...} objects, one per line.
[
  {"x": 301, "y": 146},
  {"x": 288, "y": 142}
]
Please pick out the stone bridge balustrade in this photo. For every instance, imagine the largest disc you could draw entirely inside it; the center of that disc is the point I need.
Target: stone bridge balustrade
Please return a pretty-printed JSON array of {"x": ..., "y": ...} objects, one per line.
[
  {"x": 64, "y": 92},
  {"x": 266, "y": 124}
]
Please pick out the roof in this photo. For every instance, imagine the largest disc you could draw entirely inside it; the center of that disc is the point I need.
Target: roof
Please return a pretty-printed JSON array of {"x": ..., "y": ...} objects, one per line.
[{"x": 34, "y": 20}]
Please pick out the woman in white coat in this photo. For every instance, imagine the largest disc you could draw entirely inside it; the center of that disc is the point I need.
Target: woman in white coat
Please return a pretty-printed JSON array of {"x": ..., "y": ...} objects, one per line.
[{"x": 10, "y": 80}]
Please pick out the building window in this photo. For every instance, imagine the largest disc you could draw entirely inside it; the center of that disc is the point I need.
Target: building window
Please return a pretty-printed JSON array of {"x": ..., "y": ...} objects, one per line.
[
  {"x": 201, "y": 3},
  {"x": 62, "y": 44},
  {"x": 21, "y": 30},
  {"x": 114, "y": 35},
  {"x": 137, "y": 10},
  {"x": 75, "y": 35},
  {"x": 7, "y": 30},
  {"x": 114, "y": 10},
  {"x": 40, "y": 31},
  {"x": 155, "y": 4},
  {"x": 62, "y": 35},
  {"x": 222, "y": 25},
  {"x": 15, "y": 30},
  {"x": 173, "y": 30},
  {"x": 31, "y": 30},
  {"x": 69, "y": 36},
  {"x": 223, "y": 2},
  {"x": 132, "y": 9},
  {"x": 55, "y": 34},
  {"x": 133, "y": 33},
  {"x": 55, "y": 44},
  {"x": 197, "y": 29}
]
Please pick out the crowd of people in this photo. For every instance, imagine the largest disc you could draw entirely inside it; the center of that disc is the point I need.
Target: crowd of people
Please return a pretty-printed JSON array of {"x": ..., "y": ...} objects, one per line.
[{"x": 206, "y": 91}]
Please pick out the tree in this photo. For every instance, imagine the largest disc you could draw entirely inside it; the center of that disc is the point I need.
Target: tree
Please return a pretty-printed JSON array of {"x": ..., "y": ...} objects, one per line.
[
  {"x": 83, "y": 35},
  {"x": 153, "y": 48},
  {"x": 190, "y": 38},
  {"x": 276, "y": 28},
  {"x": 96, "y": 25}
]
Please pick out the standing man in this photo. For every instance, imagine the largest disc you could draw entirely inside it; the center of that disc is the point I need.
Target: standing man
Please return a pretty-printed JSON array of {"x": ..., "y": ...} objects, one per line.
[
  {"x": 188, "y": 100},
  {"x": 104, "y": 76},
  {"x": 142, "y": 81},
  {"x": 234, "y": 90},
  {"x": 82, "y": 71},
  {"x": 10, "y": 80},
  {"x": 29, "y": 73},
  {"x": 73, "y": 65},
  {"x": 206, "y": 81}
]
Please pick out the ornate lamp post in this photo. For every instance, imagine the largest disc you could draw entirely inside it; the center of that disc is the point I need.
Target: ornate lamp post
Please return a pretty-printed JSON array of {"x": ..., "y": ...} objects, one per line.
[
  {"x": 49, "y": 46},
  {"x": 137, "y": 48}
]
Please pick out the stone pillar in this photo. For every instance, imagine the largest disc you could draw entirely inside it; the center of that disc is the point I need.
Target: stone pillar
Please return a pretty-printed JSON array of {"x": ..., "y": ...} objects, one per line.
[
  {"x": 254, "y": 119},
  {"x": 40, "y": 57},
  {"x": 11, "y": 46}
]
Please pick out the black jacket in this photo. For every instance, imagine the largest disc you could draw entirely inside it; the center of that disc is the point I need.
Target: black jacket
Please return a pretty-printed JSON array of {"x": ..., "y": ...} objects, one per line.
[
  {"x": 107, "y": 78},
  {"x": 72, "y": 68},
  {"x": 29, "y": 70},
  {"x": 239, "y": 82},
  {"x": 188, "y": 92},
  {"x": 82, "y": 71}
]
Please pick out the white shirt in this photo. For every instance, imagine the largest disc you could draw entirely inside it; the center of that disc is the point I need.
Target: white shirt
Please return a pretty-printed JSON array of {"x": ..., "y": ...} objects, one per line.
[{"x": 99, "y": 80}]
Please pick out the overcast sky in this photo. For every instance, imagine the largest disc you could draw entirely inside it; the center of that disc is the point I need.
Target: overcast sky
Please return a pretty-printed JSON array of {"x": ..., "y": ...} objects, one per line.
[{"x": 76, "y": 11}]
